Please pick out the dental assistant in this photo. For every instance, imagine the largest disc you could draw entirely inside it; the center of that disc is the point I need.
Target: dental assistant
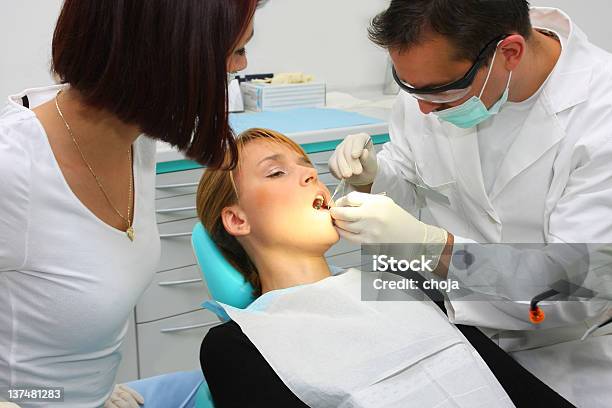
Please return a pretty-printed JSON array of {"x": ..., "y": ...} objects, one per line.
[
  {"x": 78, "y": 235},
  {"x": 503, "y": 134}
]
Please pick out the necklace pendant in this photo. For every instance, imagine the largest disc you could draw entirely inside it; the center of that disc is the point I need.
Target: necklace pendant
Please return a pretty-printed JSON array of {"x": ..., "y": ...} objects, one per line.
[{"x": 130, "y": 233}]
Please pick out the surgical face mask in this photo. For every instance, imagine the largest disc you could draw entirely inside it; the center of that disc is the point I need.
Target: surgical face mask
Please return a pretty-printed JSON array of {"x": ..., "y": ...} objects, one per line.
[{"x": 473, "y": 111}]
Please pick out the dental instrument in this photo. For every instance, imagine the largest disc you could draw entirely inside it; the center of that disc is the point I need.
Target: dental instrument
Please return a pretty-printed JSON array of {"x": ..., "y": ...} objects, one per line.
[{"x": 341, "y": 187}]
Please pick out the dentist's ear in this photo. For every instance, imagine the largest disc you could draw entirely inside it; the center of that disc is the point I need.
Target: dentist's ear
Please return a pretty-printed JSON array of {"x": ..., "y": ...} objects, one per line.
[
  {"x": 513, "y": 48},
  {"x": 235, "y": 221}
]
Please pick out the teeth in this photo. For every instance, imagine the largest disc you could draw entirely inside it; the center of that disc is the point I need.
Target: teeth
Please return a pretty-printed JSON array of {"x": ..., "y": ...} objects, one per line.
[{"x": 318, "y": 202}]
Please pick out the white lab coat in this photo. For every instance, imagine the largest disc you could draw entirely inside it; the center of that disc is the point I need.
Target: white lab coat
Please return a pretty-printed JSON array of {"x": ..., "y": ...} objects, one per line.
[{"x": 554, "y": 185}]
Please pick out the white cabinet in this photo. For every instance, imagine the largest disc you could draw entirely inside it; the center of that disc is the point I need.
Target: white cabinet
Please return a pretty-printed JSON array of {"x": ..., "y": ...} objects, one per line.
[
  {"x": 176, "y": 249},
  {"x": 172, "y": 344},
  {"x": 172, "y": 293},
  {"x": 177, "y": 183},
  {"x": 168, "y": 323}
]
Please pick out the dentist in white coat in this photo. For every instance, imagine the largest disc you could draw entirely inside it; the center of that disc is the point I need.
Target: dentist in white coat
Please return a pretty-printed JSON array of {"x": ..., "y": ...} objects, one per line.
[{"x": 502, "y": 134}]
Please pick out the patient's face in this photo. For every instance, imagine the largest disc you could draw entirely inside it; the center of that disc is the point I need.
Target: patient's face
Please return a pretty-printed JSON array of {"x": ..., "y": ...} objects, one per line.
[{"x": 277, "y": 190}]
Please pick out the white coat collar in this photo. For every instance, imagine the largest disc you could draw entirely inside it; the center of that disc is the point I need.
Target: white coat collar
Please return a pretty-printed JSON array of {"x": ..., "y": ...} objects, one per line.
[{"x": 568, "y": 84}]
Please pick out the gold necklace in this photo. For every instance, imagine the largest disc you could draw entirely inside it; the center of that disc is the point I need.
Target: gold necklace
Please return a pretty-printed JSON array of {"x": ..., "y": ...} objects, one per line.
[{"x": 130, "y": 228}]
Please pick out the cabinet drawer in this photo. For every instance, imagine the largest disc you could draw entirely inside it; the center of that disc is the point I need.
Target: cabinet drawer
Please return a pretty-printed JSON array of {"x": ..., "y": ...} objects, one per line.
[
  {"x": 173, "y": 344},
  {"x": 175, "y": 208},
  {"x": 176, "y": 249},
  {"x": 177, "y": 183},
  {"x": 172, "y": 293}
]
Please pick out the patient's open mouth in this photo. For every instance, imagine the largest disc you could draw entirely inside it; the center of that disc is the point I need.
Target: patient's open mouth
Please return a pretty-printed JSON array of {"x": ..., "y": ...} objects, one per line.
[{"x": 320, "y": 203}]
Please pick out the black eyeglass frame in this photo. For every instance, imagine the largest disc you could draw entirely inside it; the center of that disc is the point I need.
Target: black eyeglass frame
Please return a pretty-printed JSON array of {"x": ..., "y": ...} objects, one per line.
[{"x": 462, "y": 83}]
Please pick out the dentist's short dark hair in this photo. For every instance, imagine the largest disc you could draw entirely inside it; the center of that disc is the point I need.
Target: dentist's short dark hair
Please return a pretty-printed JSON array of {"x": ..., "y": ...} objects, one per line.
[{"x": 468, "y": 24}]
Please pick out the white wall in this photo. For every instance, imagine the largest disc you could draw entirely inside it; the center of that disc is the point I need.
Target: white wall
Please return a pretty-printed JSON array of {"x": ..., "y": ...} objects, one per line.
[
  {"x": 327, "y": 38},
  {"x": 324, "y": 37},
  {"x": 26, "y": 28},
  {"x": 592, "y": 16}
]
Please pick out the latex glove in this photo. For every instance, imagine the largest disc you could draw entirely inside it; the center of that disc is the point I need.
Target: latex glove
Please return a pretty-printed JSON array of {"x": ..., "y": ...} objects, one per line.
[
  {"x": 124, "y": 397},
  {"x": 377, "y": 219},
  {"x": 355, "y": 160}
]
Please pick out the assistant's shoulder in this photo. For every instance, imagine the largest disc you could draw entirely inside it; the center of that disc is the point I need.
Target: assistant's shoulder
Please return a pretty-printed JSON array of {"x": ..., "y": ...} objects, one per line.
[
  {"x": 16, "y": 126},
  {"x": 16, "y": 117},
  {"x": 15, "y": 181}
]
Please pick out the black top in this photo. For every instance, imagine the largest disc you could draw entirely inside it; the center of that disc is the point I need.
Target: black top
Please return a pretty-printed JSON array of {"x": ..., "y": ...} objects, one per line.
[{"x": 238, "y": 375}]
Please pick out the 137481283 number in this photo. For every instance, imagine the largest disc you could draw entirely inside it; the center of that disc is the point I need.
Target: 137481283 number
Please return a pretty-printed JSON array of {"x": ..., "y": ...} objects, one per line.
[{"x": 33, "y": 394}]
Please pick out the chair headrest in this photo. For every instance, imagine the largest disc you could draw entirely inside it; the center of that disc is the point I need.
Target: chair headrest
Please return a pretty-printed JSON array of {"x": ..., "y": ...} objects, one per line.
[{"x": 225, "y": 283}]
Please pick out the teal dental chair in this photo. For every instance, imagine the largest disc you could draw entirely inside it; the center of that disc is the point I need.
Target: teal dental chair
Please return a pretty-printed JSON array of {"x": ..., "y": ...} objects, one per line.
[{"x": 225, "y": 284}]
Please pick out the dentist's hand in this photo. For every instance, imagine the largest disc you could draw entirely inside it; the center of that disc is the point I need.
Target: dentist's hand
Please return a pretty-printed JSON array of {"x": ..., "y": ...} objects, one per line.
[
  {"x": 355, "y": 160},
  {"x": 124, "y": 397},
  {"x": 367, "y": 218}
]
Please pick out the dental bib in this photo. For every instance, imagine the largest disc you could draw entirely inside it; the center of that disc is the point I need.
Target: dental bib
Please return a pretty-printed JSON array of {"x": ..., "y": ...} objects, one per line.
[{"x": 333, "y": 350}]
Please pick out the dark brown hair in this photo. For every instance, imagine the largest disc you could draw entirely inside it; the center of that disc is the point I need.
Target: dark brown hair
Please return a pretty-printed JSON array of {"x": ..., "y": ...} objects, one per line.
[
  {"x": 217, "y": 191},
  {"x": 468, "y": 24},
  {"x": 157, "y": 64}
]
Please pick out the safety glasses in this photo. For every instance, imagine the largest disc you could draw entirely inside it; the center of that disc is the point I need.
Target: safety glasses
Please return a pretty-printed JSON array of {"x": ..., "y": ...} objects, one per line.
[{"x": 453, "y": 91}]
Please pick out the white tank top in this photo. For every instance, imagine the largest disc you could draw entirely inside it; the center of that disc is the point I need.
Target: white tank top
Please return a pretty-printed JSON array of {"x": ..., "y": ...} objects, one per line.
[{"x": 68, "y": 281}]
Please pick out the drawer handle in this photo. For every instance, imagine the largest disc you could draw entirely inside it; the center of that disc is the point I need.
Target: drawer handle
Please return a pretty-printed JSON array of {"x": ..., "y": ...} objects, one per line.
[
  {"x": 185, "y": 328},
  {"x": 177, "y": 235},
  {"x": 180, "y": 185},
  {"x": 180, "y": 282},
  {"x": 178, "y": 209}
]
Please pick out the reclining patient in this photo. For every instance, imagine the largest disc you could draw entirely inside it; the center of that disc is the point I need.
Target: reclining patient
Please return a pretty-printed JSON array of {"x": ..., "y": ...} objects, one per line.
[{"x": 308, "y": 339}]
